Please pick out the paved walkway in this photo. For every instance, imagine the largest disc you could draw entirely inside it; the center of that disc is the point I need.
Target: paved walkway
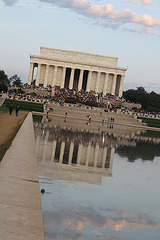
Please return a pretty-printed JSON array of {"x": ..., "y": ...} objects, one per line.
[{"x": 20, "y": 204}]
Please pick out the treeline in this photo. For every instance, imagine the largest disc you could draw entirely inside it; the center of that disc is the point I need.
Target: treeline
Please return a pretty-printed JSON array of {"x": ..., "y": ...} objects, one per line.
[
  {"x": 6, "y": 81},
  {"x": 150, "y": 101},
  {"x": 143, "y": 150}
]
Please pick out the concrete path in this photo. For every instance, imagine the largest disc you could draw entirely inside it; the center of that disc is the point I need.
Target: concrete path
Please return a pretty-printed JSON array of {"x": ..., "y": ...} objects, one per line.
[{"x": 20, "y": 204}]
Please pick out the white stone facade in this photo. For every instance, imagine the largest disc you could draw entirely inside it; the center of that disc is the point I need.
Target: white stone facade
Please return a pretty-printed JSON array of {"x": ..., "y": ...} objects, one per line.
[{"x": 71, "y": 69}]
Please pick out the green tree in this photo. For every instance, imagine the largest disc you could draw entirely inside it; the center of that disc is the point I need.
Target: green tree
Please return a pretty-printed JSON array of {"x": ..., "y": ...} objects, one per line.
[
  {"x": 130, "y": 95},
  {"x": 15, "y": 80},
  {"x": 150, "y": 101},
  {"x": 142, "y": 97},
  {"x": 4, "y": 78},
  {"x": 3, "y": 88}
]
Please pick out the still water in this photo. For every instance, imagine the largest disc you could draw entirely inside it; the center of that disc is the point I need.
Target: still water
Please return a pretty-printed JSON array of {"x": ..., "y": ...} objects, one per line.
[{"x": 98, "y": 185}]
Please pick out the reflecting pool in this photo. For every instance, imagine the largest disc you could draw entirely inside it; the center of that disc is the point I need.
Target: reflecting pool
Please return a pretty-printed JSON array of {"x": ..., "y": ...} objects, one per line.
[{"x": 98, "y": 185}]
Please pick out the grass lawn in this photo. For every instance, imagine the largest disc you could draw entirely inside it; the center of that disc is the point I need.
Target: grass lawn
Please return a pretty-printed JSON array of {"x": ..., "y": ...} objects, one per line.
[
  {"x": 151, "y": 134},
  {"x": 4, "y": 109},
  {"x": 37, "y": 118},
  {"x": 7, "y": 144},
  {"x": 26, "y": 106},
  {"x": 151, "y": 122}
]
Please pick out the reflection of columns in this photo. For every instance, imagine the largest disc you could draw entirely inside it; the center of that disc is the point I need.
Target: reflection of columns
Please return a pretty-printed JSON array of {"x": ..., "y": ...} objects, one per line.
[
  {"x": 105, "y": 84},
  {"x": 70, "y": 153},
  {"x": 46, "y": 76},
  {"x": 71, "y": 79},
  {"x": 37, "y": 144},
  {"x": 89, "y": 81},
  {"x": 45, "y": 146},
  {"x": 96, "y": 155},
  {"x": 63, "y": 77},
  {"x": 80, "y": 80},
  {"x": 79, "y": 154},
  {"x": 38, "y": 74},
  {"x": 114, "y": 84},
  {"x": 97, "y": 82},
  {"x": 61, "y": 152},
  {"x": 104, "y": 157},
  {"x": 111, "y": 157},
  {"x": 54, "y": 76},
  {"x": 31, "y": 71},
  {"x": 120, "y": 92},
  {"x": 53, "y": 150},
  {"x": 88, "y": 154}
]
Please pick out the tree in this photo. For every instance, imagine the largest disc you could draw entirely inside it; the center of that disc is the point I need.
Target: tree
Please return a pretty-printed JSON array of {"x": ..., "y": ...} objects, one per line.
[
  {"x": 4, "y": 78},
  {"x": 130, "y": 95},
  {"x": 15, "y": 80},
  {"x": 3, "y": 88},
  {"x": 150, "y": 101}
]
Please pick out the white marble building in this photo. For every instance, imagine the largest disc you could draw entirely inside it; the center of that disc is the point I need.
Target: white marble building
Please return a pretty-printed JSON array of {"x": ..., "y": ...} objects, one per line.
[{"x": 72, "y": 69}]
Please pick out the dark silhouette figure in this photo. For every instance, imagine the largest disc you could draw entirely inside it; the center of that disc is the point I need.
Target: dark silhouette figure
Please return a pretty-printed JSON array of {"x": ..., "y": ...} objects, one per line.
[
  {"x": 17, "y": 110},
  {"x": 65, "y": 117},
  {"x": 10, "y": 109}
]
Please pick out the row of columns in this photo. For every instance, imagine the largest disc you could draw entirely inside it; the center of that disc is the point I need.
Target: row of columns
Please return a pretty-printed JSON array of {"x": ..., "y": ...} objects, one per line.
[
  {"x": 80, "y": 82},
  {"x": 101, "y": 157}
]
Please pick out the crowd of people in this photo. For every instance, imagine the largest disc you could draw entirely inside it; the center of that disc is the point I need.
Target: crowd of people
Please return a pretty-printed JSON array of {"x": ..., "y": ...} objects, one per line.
[
  {"x": 38, "y": 88},
  {"x": 60, "y": 94},
  {"x": 73, "y": 96}
]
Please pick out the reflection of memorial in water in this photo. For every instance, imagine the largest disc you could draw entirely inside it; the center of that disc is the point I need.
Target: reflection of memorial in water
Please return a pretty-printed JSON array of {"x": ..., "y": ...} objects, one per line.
[
  {"x": 80, "y": 197},
  {"x": 77, "y": 154}
]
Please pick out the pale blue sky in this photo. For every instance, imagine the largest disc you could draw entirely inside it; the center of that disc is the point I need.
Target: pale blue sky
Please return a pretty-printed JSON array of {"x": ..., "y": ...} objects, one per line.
[{"x": 127, "y": 29}]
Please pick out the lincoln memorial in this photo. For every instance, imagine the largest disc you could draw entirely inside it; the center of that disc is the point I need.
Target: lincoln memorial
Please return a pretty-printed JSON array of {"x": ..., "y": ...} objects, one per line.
[{"x": 72, "y": 69}]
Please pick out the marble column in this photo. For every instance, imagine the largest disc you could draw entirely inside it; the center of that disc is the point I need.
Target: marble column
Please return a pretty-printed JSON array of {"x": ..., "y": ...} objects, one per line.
[
  {"x": 70, "y": 153},
  {"x": 63, "y": 77},
  {"x": 97, "y": 82},
  {"x": 38, "y": 74},
  {"x": 104, "y": 157},
  {"x": 79, "y": 155},
  {"x": 80, "y": 80},
  {"x": 46, "y": 76},
  {"x": 61, "y": 152},
  {"x": 111, "y": 157},
  {"x": 71, "y": 79},
  {"x": 96, "y": 155},
  {"x": 89, "y": 81},
  {"x": 114, "y": 84},
  {"x": 121, "y": 87},
  {"x": 105, "y": 84},
  {"x": 54, "y": 76},
  {"x": 88, "y": 154},
  {"x": 31, "y": 71},
  {"x": 53, "y": 150}
]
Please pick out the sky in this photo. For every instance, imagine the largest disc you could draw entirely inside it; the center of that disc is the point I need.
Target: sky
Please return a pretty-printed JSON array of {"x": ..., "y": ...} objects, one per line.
[{"x": 127, "y": 29}]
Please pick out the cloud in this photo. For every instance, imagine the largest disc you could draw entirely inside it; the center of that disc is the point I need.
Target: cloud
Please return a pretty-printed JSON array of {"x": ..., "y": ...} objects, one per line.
[
  {"x": 106, "y": 12},
  {"x": 144, "y": 30},
  {"x": 9, "y": 2},
  {"x": 109, "y": 24},
  {"x": 81, "y": 220},
  {"x": 140, "y": 2}
]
